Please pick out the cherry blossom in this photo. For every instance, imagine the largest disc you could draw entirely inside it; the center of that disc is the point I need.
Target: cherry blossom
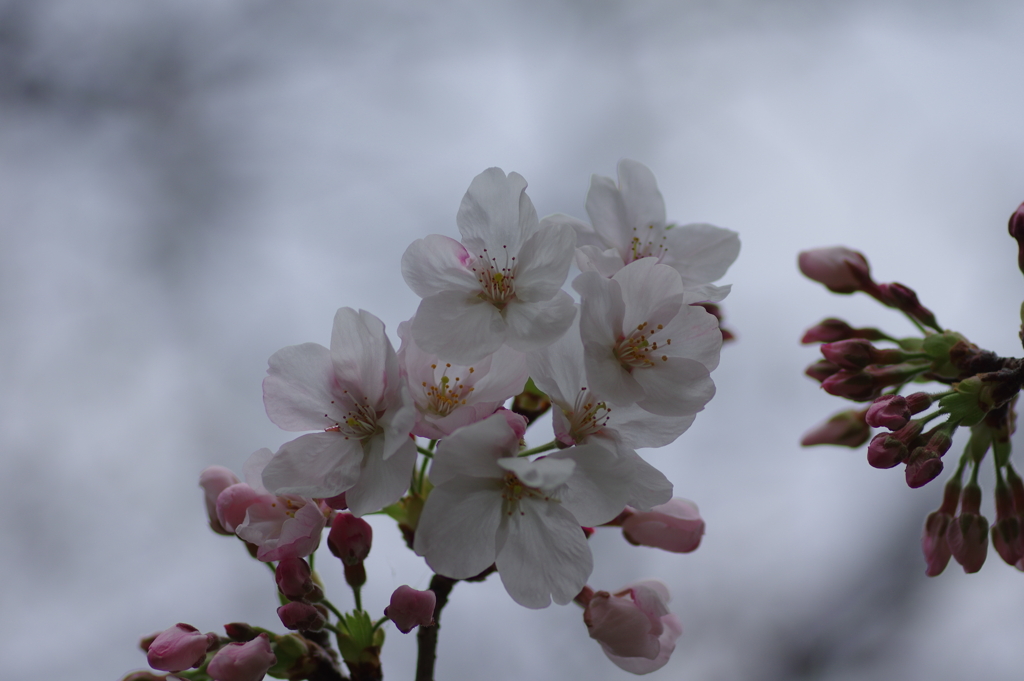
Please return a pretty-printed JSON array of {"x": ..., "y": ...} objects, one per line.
[
  {"x": 489, "y": 506},
  {"x": 354, "y": 396},
  {"x": 629, "y": 224},
  {"x": 248, "y": 661},
  {"x": 179, "y": 648},
  {"x": 643, "y": 344},
  {"x": 449, "y": 396},
  {"x": 501, "y": 285},
  {"x": 411, "y": 608}
]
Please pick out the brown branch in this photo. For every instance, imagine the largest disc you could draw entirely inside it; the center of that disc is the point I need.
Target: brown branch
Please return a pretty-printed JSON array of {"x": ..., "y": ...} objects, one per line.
[{"x": 426, "y": 638}]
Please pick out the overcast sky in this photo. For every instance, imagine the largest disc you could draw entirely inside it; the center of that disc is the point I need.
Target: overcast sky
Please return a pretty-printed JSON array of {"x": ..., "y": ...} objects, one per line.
[{"x": 186, "y": 187}]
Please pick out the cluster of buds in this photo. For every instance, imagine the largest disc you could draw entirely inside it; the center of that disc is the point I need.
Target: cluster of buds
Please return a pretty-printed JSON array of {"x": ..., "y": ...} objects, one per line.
[{"x": 977, "y": 390}]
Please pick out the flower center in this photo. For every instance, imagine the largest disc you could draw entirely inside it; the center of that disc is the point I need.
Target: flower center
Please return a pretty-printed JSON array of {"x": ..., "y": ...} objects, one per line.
[
  {"x": 360, "y": 421},
  {"x": 497, "y": 280},
  {"x": 646, "y": 244},
  {"x": 588, "y": 417},
  {"x": 640, "y": 348},
  {"x": 514, "y": 491},
  {"x": 446, "y": 393}
]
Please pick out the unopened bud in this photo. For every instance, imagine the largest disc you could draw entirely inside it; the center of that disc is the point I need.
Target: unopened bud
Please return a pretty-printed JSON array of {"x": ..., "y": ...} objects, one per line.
[
  {"x": 299, "y": 616},
  {"x": 1006, "y": 531},
  {"x": 840, "y": 269},
  {"x": 411, "y": 608},
  {"x": 904, "y": 299},
  {"x": 888, "y": 449},
  {"x": 674, "y": 526},
  {"x": 294, "y": 578},
  {"x": 923, "y": 466},
  {"x": 338, "y": 503},
  {"x": 821, "y": 370},
  {"x": 1016, "y": 227},
  {"x": 968, "y": 532},
  {"x": 179, "y": 648},
  {"x": 857, "y": 353},
  {"x": 846, "y": 429},
  {"x": 350, "y": 538},
  {"x": 934, "y": 544},
  {"x": 832, "y": 329},
  {"x": 355, "y": 575},
  {"x": 214, "y": 480},
  {"x": 888, "y": 411},
  {"x": 243, "y": 661},
  {"x": 240, "y": 631}
]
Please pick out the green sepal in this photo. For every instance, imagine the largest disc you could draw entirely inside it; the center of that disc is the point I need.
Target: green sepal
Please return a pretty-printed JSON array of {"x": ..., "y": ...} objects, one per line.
[
  {"x": 912, "y": 344},
  {"x": 937, "y": 347},
  {"x": 290, "y": 649},
  {"x": 358, "y": 641},
  {"x": 979, "y": 443},
  {"x": 964, "y": 404}
]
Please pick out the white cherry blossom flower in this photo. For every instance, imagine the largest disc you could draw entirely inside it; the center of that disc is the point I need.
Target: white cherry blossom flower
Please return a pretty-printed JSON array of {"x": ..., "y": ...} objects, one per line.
[
  {"x": 489, "y": 506},
  {"x": 449, "y": 396},
  {"x": 629, "y": 224},
  {"x": 583, "y": 415},
  {"x": 643, "y": 344},
  {"x": 501, "y": 285},
  {"x": 354, "y": 395}
]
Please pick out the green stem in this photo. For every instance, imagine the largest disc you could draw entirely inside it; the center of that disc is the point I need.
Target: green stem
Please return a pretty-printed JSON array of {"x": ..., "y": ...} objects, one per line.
[
  {"x": 424, "y": 451},
  {"x": 330, "y": 606},
  {"x": 537, "y": 450},
  {"x": 357, "y": 592}
]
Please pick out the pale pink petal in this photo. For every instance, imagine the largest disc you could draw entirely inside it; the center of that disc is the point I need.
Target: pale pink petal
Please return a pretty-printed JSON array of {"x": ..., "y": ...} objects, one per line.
[
  {"x": 317, "y": 465},
  {"x": 601, "y": 308},
  {"x": 599, "y": 486},
  {"x": 382, "y": 481},
  {"x": 675, "y": 387},
  {"x": 473, "y": 451},
  {"x": 605, "y": 262},
  {"x": 458, "y": 327},
  {"x": 638, "y": 427},
  {"x": 458, "y": 526},
  {"x": 700, "y": 252},
  {"x": 543, "y": 263},
  {"x": 652, "y": 294},
  {"x": 360, "y": 351},
  {"x": 298, "y": 389},
  {"x": 639, "y": 665},
  {"x": 706, "y": 293},
  {"x": 282, "y": 535},
  {"x": 531, "y": 326},
  {"x": 608, "y": 213},
  {"x": 438, "y": 263},
  {"x": 397, "y": 422},
  {"x": 544, "y": 474},
  {"x": 496, "y": 212},
  {"x": 248, "y": 661},
  {"x": 649, "y": 486},
  {"x": 233, "y": 502},
  {"x": 644, "y": 203},
  {"x": 544, "y": 554},
  {"x": 608, "y": 377},
  {"x": 621, "y": 627},
  {"x": 674, "y": 526},
  {"x": 695, "y": 335}
]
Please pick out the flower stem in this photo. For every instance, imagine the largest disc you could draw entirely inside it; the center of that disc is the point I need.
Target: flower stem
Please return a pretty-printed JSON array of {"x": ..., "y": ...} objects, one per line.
[
  {"x": 537, "y": 450},
  {"x": 426, "y": 638}
]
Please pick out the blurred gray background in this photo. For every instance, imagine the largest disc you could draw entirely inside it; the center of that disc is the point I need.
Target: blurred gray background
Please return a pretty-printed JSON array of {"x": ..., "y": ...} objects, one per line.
[{"x": 188, "y": 186}]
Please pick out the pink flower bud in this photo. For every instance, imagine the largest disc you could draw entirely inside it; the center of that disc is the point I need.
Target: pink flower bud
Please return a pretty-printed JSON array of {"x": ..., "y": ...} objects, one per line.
[
  {"x": 338, "y": 503},
  {"x": 1016, "y": 228},
  {"x": 674, "y": 526},
  {"x": 821, "y": 370},
  {"x": 840, "y": 269},
  {"x": 847, "y": 429},
  {"x": 233, "y": 502},
  {"x": 214, "y": 480},
  {"x": 858, "y": 386},
  {"x": 934, "y": 544},
  {"x": 179, "y": 648},
  {"x": 634, "y": 626},
  {"x": 904, "y": 299},
  {"x": 294, "y": 578},
  {"x": 411, "y": 608},
  {"x": 888, "y": 411},
  {"x": 923, "y": 466},
  {"x": 855, "y": 353},
  {"x": 832, "y": 329},
  {"x": 888, "y": 449},
  {"x": 243, "y": 661},
  {"x": 968, "y": 532},
  {"x": 350, "y": 538},
  {"x": 299, "y": 616},
  {"x": 1006, "y": 531}
]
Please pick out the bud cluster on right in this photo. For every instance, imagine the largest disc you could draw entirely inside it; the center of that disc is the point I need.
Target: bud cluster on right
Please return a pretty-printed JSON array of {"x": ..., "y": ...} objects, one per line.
[{"x": 970, "y": 388}]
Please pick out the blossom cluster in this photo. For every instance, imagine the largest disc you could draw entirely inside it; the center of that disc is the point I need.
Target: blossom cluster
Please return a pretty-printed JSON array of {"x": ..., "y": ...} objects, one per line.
[
  {"x": 978, "y": 391},
  {"x": 624, "y": 366}
]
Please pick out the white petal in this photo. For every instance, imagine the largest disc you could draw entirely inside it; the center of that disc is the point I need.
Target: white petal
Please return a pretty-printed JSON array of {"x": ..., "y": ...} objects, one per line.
[
  {"x": 457, "y": 327},
  {"x": 398, "y": 421},
  {"x": 695, "y": 335},
  {"x": 601, "y": 308},
  {"x": 706, "y": 293},
  {"x": 297, "y": 391},
  {"x": 381, "y": 481},
  {"x": 675, "y": 387},
  {"x": 649, "y": 486},
  {"x": 438, "y": 263},
  {"x": 645, "y": 205},
  {"x": 702, "y": 253},
  {"x": 651, "y": 293},
  {"x": 604, "y": 262},
  {"x": 543, "y": 263},
  {"x": 496, "y": 213},
  {"x": 558, "y": 368},
  {"x": 638, "y": 427},
  {"x": 545, "y": 555},
  {"x": 543, "y": 474},
  {"x": 606, "y": 376},
  {"x": 252, "y": 470},
  {"x": 474, "y": 450},
  {"x": 608, "y": 213},
  {"x": 599, "y": 486},
  {"x": 585, "y": 234},
  {"x": 458, "y": 526},
  {"x": 364, "y": 359},
  {"x": 317, "y": 465},
  {"x": 533, "y": 325}
]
